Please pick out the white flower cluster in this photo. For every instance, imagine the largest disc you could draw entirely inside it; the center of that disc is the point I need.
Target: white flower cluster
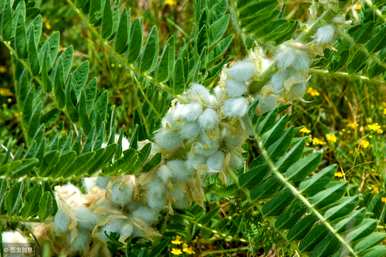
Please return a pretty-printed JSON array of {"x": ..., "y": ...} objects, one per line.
[
  {"x": 293, "y": 61},
  {"x": 201, "y": 134}
]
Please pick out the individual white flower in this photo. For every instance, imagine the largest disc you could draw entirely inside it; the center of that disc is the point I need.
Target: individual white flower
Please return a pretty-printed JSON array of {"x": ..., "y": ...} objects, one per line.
[
  {"x": 61, "y": 222},
  {"x": 325, "y": 34},
  {"x": 215, "y": 162},
  {"x": 13, "y": 237},
  {"x": 288, "y": 56},
  {"x": 179, "y": 170},
  {"x": 113, "y": 226},
  {"x": 69, "y": 196},
  {"x": 219, "y": 92},
  {"x": 80, "y": 241},
  {"x": 146, "y": 214},
  {"x": 242, "y": 71},
  {"x": 126, "y": 231},
  {"x": 167, "y": 139},
  {"x": 200, "y": 93},
  {"x": 235, "y": 88},
  {"x": 155, "y": 194},
  {"x": 189, "y": 130},
  {"x": 89, "y": 183},
  {"x": 164, "y": 173},
  {"x": 122, "y": 192},
  {"x": 208, "y": 119},
  {"x": 188, "y": 112},
  {"x": 179, "y": 197},
  {"x": 235, "y": 107},
  {"x": 267, "y": 103},
  {"x": 195, "y": 161},
  {"x": 277, "y": 81},
  {"x": 169, "y": 119},
  {"x": 205, "y": 146},
  {"x": 285, "y": 56},
  {"x": 85, "y": 218},
  {"x": 102, "y": 181}
]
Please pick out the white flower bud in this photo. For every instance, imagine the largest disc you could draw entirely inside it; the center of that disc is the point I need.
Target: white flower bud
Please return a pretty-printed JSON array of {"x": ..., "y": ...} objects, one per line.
[
  {"x": 219, "y": 92},
  {"x": 288, "y": 56},
  {"x": 215, "y": 162},
  {"x": 80, "y": 242},
  {"x": 61, "y": 222},
  {"x": 126, "y": 231},
  {"x": 188, "y": 112},
  {"x": 179, "y": 197},
  {"x": 242, "y": 71},
  {"x": 164, "y": 173},
  {"x": 85, "y": 218},
  {"x": 167, "y": 139},
  {"x": 235, "y": 88},
  {"x": 278, "y": 79},
  {"x": 206, "y": 146},
  {"x": 208, "y": 119},
  {"x": 114, "y": 226},
  {"x": 189, "y": 130},
  {"x": 200, "y": 93},
  {"x": 169, "y": 119},
  {"x": 179, "y": 170},
  {"x": 122, "y": 192},
  {"x": 235, "y": 107},
  {"x": 146, "y": 214},
  {"x": 89, "y": 183},
  {"x": 195, "y": 161},
  {"x": 155, "y": 194},
  {"x": 325, "y": 34},
  {"x": 102, "y": 181}
]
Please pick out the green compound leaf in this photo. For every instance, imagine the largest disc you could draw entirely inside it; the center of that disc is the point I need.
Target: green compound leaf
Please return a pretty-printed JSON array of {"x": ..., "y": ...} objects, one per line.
[
  {"x": 135, "y": 41},
  {"x": 150, "y": 53}
]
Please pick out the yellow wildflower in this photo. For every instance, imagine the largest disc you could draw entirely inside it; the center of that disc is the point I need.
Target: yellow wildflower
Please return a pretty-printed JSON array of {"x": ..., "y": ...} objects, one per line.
[
  {"x": 187, "y": 249},
  {"x": 331, "y": 138},
  {"x": 176, "y": 251},
  {"x": 5, "y": 92},
  {"x": 339, "y": 174},
  {"x": 364, "y": 143},
  {"x": 383, "y": 199},
  {"x": 375, "y": 127},
  {"x": 171, "y": 2},
  {"x": 305, "y": 130},
  {"x": 375, "y": 190},
  {"x": 177, "y": 241},
  {"x": 317, "y": 141},
  {"x": 312, "y": 91},
  {"x": 384, "y": 111},
  {"x": 3, "y": 69},
  {"x": 352, "y": 125},
  {"x": 357, "y": 6}
]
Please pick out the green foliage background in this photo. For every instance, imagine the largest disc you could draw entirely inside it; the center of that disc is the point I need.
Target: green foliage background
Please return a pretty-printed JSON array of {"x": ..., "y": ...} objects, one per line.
[{"x": 76, "y": 73}]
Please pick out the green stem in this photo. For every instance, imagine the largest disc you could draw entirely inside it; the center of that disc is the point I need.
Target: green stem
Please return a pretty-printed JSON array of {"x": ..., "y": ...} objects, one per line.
[
  {"x": 345, "y": 75},
  {"x": 222, "y": 251}
]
